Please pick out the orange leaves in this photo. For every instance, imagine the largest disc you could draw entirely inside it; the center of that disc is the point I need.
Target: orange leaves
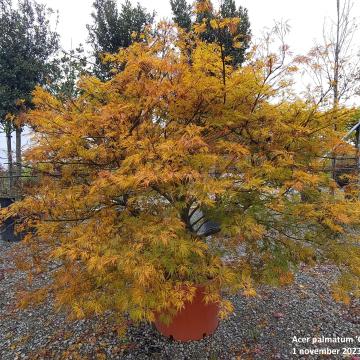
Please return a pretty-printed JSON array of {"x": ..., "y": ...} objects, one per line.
[
  {"x": 286, "y": 278},
  {"x": 33, "y": 298},
  {"x": 145, "y": 274},
  {"x": 203, "y": 6},
  {"x": 302, "y": 178},
  {"x": 122, "y": 166},
  {"x": 347, "y": 284},
  {"x": 232, "y": 148},
  {"x": 230, "y": 23}
]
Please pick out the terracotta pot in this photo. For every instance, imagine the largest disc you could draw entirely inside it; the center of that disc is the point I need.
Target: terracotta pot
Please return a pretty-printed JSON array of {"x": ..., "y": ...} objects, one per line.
[{"x": 195, "y": 321}]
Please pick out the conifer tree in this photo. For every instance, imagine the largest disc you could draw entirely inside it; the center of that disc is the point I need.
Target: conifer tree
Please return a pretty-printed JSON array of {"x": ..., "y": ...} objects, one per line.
[
  {"x": 115, "y": 28},
  {"x": 242, "y": 32},
  {"x": 27, "y": 46},
  {"x": 235, "y": 41},
  {"x": 182, "y": 13}
]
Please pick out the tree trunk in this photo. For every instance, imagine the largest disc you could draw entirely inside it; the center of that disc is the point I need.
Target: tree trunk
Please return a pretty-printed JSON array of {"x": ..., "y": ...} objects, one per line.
[
  {"x": 18, "y": 131},
  {"x": 336, "y": 76},
  {"x": 357, "y": 145},
  {"x": 337, "y": 55},
  {"x": 10, "y": 159}
]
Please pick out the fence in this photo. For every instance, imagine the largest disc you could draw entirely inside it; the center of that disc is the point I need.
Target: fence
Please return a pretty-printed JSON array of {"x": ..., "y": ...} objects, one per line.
[{"x": 8, "y": 190}]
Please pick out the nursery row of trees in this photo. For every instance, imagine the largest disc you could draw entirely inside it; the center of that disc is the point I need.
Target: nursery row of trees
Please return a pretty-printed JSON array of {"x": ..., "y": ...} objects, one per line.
[{"x": 185, "y": 119}]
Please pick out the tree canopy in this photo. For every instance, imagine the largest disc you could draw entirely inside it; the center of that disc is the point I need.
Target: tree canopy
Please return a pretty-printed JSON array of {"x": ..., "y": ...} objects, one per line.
[
  {"x": 182, "y": 13},
  {"x": 114, "y": 28},
  {"x": 27, "y": 47},
  {"x": 234, "y": 41},
  {"x": 124, "y": 165},
  {"x": 27, "y": 44},
  {"x": 70, "y": 66}
]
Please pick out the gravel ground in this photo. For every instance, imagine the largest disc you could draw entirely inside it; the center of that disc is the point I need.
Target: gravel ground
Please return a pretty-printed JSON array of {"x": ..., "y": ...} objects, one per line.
[{"x": 262, "y": 327}]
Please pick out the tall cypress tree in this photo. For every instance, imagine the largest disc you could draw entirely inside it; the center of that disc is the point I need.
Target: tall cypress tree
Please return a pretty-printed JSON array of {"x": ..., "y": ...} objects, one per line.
[
  {"x": 243, "y": 33},
  {"x": 182, "y": 12},
  {"x": 113, "y": 29},
  {"x": 205, "y": 12}
]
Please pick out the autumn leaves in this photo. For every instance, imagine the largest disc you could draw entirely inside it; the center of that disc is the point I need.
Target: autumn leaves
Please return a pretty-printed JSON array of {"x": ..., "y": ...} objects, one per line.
[{"x": 120, "y": 165}]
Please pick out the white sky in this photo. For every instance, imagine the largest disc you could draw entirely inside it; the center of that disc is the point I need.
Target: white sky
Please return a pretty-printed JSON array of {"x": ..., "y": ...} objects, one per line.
[{"x": 306, "y": 18}]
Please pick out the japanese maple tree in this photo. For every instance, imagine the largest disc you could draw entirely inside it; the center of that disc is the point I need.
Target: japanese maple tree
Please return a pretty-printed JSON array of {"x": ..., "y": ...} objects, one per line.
[{"x": 122, "y": 168}]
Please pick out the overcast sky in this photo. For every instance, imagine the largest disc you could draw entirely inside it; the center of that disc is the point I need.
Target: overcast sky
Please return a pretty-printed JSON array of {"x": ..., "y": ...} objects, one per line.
[{"x": 306, "y": 18}]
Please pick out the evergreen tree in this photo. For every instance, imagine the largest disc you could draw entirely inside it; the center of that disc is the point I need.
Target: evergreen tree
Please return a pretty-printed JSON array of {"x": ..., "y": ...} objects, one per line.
[
  {"x": 71, "y": 65},
  {"x": 181, "y": 13},
  {"x": 114, "y": 29},
  {"x": 204, "y": 14},
  {"x": 242, "y": 32},
  {"x": 27, "y": 46},
  {"x": 234, "y": 42}
]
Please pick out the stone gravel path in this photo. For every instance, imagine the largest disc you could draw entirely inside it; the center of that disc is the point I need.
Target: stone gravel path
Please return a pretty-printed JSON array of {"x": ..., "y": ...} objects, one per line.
[{"x": 263, "y": 327}]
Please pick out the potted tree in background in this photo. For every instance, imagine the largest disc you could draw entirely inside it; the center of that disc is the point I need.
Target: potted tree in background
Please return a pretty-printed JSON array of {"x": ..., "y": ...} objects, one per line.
[{"x": 124, "y": 167}]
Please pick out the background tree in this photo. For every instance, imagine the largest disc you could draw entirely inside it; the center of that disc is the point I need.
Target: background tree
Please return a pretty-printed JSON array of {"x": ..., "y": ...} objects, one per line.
[
  {"x": 114, "y": 29},
  {"x": 182, "y": 13},
  {"x": 234, "y": 40},
  {"x": 115, "y": 194},
  {"x": 70, "y": 66},
  {"x": 27, "y": 47},
  {"x": 334, "y": 63},
  {"x": 241, "y": 33}
]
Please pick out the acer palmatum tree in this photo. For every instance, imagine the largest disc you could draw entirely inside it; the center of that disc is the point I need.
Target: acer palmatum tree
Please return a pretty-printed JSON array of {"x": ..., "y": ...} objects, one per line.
[{"x": 124, "y": 165}]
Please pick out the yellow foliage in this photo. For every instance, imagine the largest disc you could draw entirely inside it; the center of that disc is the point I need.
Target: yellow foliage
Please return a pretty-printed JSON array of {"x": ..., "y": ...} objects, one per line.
[{"x": 122, "y": 166}]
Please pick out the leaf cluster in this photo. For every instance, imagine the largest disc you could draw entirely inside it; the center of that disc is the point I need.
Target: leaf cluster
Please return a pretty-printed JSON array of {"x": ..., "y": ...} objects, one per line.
[{"x": 123, "y": 166}]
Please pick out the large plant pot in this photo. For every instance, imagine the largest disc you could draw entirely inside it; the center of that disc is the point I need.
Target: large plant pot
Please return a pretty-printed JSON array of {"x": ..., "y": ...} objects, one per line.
[{"x": 195, "y": 321}]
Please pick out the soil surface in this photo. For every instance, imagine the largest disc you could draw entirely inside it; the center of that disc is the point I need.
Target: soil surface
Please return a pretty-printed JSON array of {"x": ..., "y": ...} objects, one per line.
[{"x": 262, "y": 327}]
